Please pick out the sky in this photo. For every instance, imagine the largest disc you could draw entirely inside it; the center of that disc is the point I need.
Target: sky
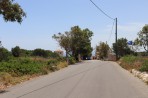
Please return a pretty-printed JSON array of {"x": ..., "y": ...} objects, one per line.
[{"x": 48, "y": 17}]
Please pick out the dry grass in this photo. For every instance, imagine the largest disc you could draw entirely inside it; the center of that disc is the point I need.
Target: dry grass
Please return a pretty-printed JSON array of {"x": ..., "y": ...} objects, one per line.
[
  {"x": 62, "y": 65},
  {"x": 136, "y": 64},
  {"x": 39, "y": 59},
  {"x": 6, "y": 80},
  {"x": 133, "y": 62}
]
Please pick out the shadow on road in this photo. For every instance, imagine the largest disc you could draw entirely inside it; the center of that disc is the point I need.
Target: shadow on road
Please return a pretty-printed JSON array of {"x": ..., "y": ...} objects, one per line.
[{"x": 3, "y": 91}]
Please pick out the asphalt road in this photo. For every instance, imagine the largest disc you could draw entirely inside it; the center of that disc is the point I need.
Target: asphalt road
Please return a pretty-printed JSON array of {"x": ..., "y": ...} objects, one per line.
[{"x": 90, "y": 79}]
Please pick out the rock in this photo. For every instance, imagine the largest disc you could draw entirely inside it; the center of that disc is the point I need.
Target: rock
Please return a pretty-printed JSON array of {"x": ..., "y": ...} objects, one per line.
[
  {"x": 145, "y": 78},
  {"x": 142, "y": 75}
]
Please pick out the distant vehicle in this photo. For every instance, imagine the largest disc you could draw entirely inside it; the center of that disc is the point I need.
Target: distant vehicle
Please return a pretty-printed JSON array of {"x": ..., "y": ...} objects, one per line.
[{"x": 86, "y": 58}]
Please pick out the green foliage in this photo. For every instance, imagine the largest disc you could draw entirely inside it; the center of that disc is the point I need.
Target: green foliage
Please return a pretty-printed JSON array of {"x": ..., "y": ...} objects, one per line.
[
  {"x": 27, "y": 66},
  {"x": 22, "y": 66},
  {"x": 142, "y": 39},
  {"x": 130, "y": 62},
  {"x": 144, "y": 66},
  {"x": 102, "y": 50},
  {"x": 13, "y": 70},
  {"x": 81, "y": 42},
  {"x": 11, "y": 11},
  {"x": 122, "y": 47},
  {"x": 25, "y": 52},
  {"x": 130, "y": 59},
  {"x": 40, "y": 52},
  {"x": 4, "y": 54},
  {"x": 72, "y": 60},
  {"x": 16, "y": 51},
  {"x": 52, "y": 62},
  {"x": 134, "y": 62},
  {"x": 53, "y": 55},
  {"x": 76, "y": 41},
  {"x": 52, "y": 65}
]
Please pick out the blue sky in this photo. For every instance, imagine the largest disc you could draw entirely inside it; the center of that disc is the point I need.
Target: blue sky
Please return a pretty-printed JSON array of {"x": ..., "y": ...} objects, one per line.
[{"x": 48, "y": 17}]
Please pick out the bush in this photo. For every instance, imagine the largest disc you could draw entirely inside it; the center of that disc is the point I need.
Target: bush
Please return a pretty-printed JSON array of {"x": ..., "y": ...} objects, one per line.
[
  {"x": 4, "y": 54},
  {"x": 72, "y": 60},
  {"x": 130, "y": 59},
  {"x": 21, "y": 66},
  {"x": 40, "y": 52},
  {"x": 53, "y": 54},
  {"x": 52, "y": 62},
  {"x": 62, "y": 65},
  {"x": 16, "y": 52},
  {"x": 131, "y": 62},
  {"x": 52, "y": 65},
  {"x": 25, "y": 52},
  {"x": 144, "y": 66}
]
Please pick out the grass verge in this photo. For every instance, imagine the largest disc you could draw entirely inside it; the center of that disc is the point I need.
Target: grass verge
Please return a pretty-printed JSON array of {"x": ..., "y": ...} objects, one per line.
[
  {"x": 133, "y": 62},
  {"x": 22, "y": 69}
]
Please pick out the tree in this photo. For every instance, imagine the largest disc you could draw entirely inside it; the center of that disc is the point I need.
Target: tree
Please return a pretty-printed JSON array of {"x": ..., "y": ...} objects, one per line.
[
  {"x": 76, "y": 42},
  {"x": 81, "y": 41},
  {"x": 102, "y": 50},
  {"x": 16, "y": 51},
  {"x": 142, "y": 39},
  {"x": 122, "y": 47},
  {"x": 64, "y": 41},
  {"x": 40, "y": 52},
  {"x": 4, "y": 54},
  {"x": 11, "y": 11}
]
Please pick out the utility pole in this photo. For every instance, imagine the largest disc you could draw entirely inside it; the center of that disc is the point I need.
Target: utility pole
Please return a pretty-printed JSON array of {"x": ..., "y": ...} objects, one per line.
[{"x": 116, "y": 40}]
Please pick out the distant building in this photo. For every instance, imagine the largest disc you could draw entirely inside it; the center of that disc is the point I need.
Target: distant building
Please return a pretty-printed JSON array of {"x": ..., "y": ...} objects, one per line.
[{"x": 60, "y": 52}]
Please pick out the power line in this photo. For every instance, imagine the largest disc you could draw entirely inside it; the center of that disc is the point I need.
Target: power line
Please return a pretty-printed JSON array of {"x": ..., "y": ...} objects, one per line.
[
  {"x": 101, "y": 10},
  {"x": 111, "y": 31}
]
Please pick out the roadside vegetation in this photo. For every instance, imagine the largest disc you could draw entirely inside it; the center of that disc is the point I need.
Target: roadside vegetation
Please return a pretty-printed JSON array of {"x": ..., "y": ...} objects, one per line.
[
  {"x": 76, "y": 42},
  {"x": 19, "y": 65},
  {"x": 135, "y": 62}
]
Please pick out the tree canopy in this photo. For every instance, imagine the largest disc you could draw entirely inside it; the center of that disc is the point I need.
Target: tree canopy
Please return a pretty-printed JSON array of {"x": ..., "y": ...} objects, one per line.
[
  {"x": 102, "y": 50},
  {"x": 11, "y": 11},
  {"x": 16, "y": 51},
  {"x": 76, "y": 41},
  {"x": 142, "y": 39},
  {"x": 122, "y": 46}
]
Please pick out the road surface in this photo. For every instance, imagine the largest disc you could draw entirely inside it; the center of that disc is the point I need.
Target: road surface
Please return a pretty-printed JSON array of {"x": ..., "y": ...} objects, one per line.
[{"x": 89, "y": 79}]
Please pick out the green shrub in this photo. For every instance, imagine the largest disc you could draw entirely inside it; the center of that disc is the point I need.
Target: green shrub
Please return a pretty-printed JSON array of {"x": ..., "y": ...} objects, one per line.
[
  {"x": 144, "y": 66},
  {"x": 130, "y": 59},
  {"x": 4, "y": 54},
  {"x": 53, "y": 54},
  {"x": 21, "y": 67},
  {"x": 130, "y": 62},
  {"x": 25, "y": 52},
  {"x": 40, "y": 52},
  {"x": 16, "y": 51},
  {"x": 52, "y": 62},
  {"x": 52, "y": 65},
  {"x": 72, "y": 60}
]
